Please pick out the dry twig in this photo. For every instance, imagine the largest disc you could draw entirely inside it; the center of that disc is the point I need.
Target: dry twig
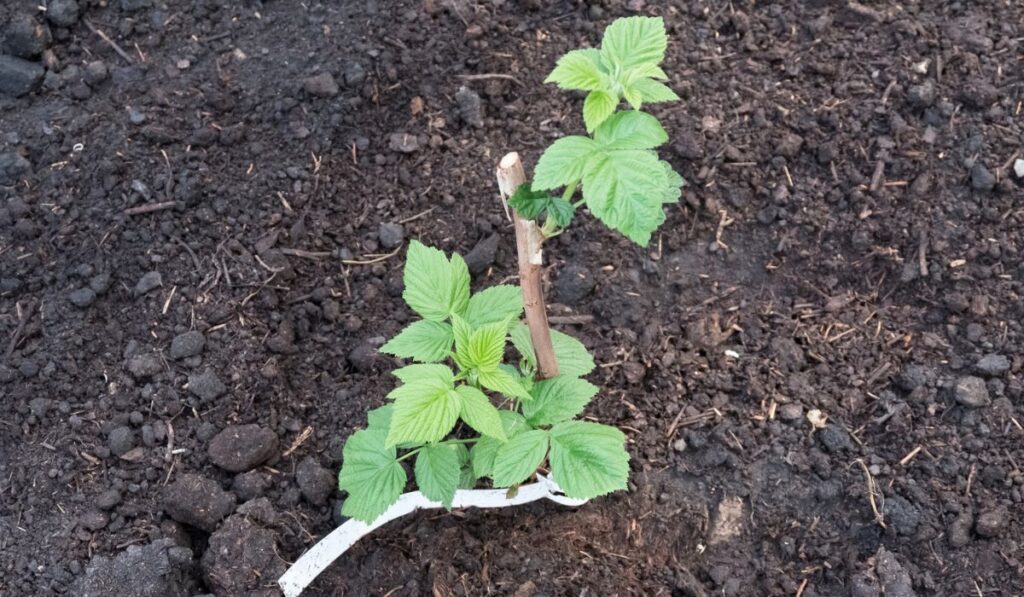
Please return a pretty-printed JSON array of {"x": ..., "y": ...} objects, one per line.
[{"x": 872, "y": 490}]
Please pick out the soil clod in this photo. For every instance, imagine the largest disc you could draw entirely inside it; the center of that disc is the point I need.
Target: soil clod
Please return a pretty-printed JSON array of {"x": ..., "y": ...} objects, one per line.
[
  {"x": 197, "y": 501},
  {"x": 321, "y": 85},
  {"x": 159, "y": 569},
  {"x": 241, "y": 448},
  {"x": 206, "y": 385},
  {"x": 315, "y": 482},
  {"x": 186, "y": 345},
  {"x": 971, "y": 392}
]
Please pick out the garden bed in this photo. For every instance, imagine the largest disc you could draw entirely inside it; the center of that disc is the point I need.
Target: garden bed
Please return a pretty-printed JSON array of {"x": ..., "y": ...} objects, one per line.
[{"x": 849, "y": 243}]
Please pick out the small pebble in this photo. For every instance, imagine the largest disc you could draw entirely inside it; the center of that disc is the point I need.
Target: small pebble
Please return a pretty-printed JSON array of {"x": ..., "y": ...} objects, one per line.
[
  {"x": 82, "y": 298},
  {"x": 108, "y": 499},
  {"x": 206, "y": 385},
  {"x": 149, "y": 281},
  {"x": 993, "y": 365},
  {"x": 981, "y": 178},
  {"x": 321, "y": 85},
  {"x": 971, "y": 392},
  {"x": 186, "y": 345},
  {"x": 391, "y": 234},
  {"x": 121, "y": 440},
  {"x": 992, "y": 523}
]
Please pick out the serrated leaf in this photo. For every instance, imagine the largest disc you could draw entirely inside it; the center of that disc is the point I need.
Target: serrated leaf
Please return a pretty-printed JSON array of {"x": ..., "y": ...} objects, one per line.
[
  {"x": 624, "y": 189},
  {"x": 520, "y": 337},
  {"x": 379, "y": 419},
  {"x": 483, "y": 452},
  {"x": 435, "y": 287},
  {"x": 588, "y": 459},
  {"x": 573, "y": 358},
  {"x": 562, "y": 162},
  {"x": 631, "y": 130},
  {"x": 467, "y": 479},
  {"x": 557, "y": 399},
  {"x": 462, "y": 332},
  {"x": 632, "y": 41},
  {"x": 598, "y": 106},
  {"x": 531, "y": 204},
  {"x": 503, "y": 382},
  {"x": 633, "y": 98},
  {"x": 423, "y": 372},
  {"x": 519, "y": 457},
  {"x": 644, "y": 70},
  {"x": 424, "y": 412},
  {"x": 578, "y": 70},
  {"x": 560, "y": 211},
  {"x": 437, "y": 472},
  {"x": 484, "y": 347},
  {"x": 492, "y": 305},
  {"x": 653, "y": 92},
  {"x": 424, "y": 341},
  {"x": 460, "y": 284},
  {"x": 672, "y": 188},
  {"x": 371, "y": 474},
  {"x": 527, "y": 202},
  {"x": 478, "y": 412}
]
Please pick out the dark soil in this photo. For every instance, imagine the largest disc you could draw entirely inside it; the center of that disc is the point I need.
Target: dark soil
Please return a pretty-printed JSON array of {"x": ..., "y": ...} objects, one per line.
[{"x": 850, "y": 243}]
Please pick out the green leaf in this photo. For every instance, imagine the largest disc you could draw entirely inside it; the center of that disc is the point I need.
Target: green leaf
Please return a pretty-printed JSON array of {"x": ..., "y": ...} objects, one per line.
[
  {"x": 560, "y": 211},
  {"x": 572, "y": 357},
  {"x": 460, "y": 284},
  {"x": 467, "y": 479},
  {"x": 379, "y": 419},
  {"x": 633, "y": 41},
  {"x": 562, "y": 162},
  {"x": 588, "y": 459},
  {"x": 434, "y": 286},
  {"x": 519, "y": 457},
  {"x": 437, "y": 472},
  {"x": 371, "y": 475},
  {"x": 520, "y": 337},
  {"x": 531, "y": 204},
  {"x": 644, "y": 70},
  {"x": 654, "y": 92},
  {"x": 503, "y": 382},
  {"x": 631, "y": 130},
  {"x": 478, "y": 412},
  {"x": 425, "y": 341},
  {"x": 425, "y": 412},
  {"x": 578, "y": 70},
  {"x": 484, "y": 347},
  {"x": 673, "y": 183},
  {"x": 598, "y": 106},
  {"x": 633, "y": 97},
  {"x": 483, "y": 452},
  {"x": 624, "y": 189},
  {"x": 411, "y": 373},
  {"x": 494, "y": 304},
  {"x": 558, "y": 399},
  {"x": 462, "y": 332}
]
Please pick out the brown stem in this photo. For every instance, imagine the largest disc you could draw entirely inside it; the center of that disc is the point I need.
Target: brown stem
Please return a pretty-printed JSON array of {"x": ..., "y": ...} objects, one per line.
[{"x": 528, "y": 245}]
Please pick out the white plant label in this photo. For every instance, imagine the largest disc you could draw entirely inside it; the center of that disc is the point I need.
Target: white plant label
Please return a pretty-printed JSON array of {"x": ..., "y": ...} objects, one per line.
[{"x": 331, "y": 547}]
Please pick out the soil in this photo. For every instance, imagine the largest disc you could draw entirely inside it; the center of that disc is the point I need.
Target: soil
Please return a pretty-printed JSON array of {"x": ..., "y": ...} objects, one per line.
[{"x": 828, "y": 324}]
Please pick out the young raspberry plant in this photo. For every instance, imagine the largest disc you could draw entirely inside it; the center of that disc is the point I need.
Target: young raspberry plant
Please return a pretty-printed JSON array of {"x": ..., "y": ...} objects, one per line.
[
  {"x": 623, "y": 182},
  {"x": 464, "y": 414}
]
